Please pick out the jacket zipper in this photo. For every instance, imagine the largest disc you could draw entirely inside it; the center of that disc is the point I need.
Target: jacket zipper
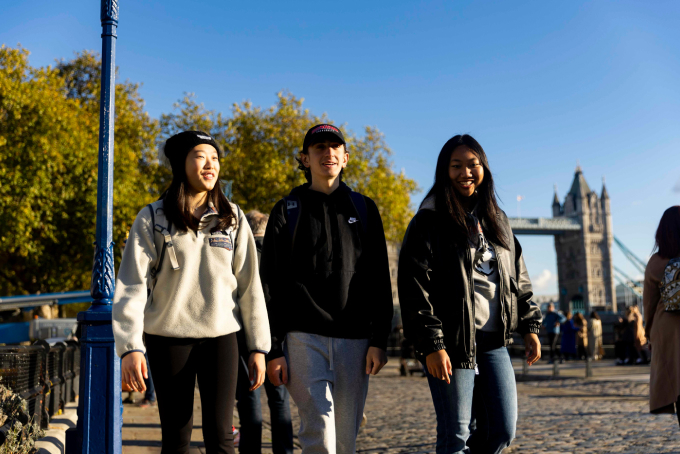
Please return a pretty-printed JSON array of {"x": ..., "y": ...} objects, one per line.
[
  {"x": 471, "y": 287},
  {"x": 502, "y": 293}
]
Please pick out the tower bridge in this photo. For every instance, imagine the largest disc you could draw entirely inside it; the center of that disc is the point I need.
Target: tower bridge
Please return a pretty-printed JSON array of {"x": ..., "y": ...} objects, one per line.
[{"x": 582, "y": 229}]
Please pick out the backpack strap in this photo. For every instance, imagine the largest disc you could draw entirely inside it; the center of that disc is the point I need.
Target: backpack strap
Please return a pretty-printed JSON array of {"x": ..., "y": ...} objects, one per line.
[
  {"x": 233, "y": 238},
  {"x": 359, "y": 202},
  {"x": 153, "y": 218},
  {"x": 167, "y": 246},
  {"x": 293, "y": 207}
]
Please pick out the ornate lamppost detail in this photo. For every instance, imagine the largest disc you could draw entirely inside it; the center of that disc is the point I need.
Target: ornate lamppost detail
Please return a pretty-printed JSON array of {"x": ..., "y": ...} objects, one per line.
[{"x": 100, "y": 412}]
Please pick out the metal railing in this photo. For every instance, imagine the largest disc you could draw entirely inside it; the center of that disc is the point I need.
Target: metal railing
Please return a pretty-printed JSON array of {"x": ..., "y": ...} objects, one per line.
[
  {"x": 44, "y": 374},
  {"x": 25, "y": 301}
]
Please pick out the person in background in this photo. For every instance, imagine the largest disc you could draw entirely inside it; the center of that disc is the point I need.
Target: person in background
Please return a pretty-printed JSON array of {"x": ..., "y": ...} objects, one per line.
[
  {"x": 639, "y": 338},
  {"x": 248, "y": 403},
  {"x": 661, "y": 299},
  {"x": 629, "y": 334},
  {"x": 595, "y": 349},
  {"x": 552, "y": 321},
  {"x": 620, "y": 350},
  {"x": 581, "y": 335},
  {"x": 569, "y": 338}
]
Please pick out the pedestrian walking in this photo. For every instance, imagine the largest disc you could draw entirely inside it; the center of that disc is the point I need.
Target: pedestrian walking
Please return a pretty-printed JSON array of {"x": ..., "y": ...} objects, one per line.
[
  {"x": 661, "y": 299},
  {"x": 595, "y": 349},
  {"x": 620, "y": 349},
  {"x": 629, "y": 334},
  {"x": 639, "y": 338},
  {"x": 187, "y": 283},
  {"x": 326, "y": 275},
  {"x": 463, "y": 290},
  {"x": 581, "y": 335},
  {"x": 552, "y": 321},
  {"x": 569, "y": 331},
  {"x": 248, "y": 404}
]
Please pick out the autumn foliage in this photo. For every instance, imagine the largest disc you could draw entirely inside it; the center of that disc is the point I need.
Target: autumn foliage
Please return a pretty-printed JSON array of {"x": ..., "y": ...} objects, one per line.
[{"x": 49, "y": 122}]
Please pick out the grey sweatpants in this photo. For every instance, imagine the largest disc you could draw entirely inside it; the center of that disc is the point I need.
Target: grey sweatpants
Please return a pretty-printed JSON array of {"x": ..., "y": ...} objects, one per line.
[{"x": 327, "y": 380}]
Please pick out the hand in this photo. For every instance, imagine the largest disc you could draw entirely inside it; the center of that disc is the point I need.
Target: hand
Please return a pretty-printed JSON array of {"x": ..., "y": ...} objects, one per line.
[
  {"x": 133, "y": 370},
  {"x": 376, "y": 358},
  {"x": 532, "y": 346},
  {"x": 439, "y": 365},
  {"x": 256, "y": 370},
  {"x": 557, "y": 324},
  {"x": 277, "y": 371}
]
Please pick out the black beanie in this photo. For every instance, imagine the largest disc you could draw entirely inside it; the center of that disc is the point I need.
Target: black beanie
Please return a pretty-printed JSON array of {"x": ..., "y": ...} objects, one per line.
[{"x": 178, "y": 147}]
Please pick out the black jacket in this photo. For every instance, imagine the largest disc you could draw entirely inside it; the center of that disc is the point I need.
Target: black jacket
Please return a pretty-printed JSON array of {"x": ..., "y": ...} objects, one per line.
[
  {"x": 436, "y": 291},
  {"x": 336, "y": 281}
]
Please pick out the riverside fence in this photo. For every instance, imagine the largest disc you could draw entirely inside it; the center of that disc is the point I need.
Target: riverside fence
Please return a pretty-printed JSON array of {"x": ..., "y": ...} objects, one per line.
[{"x": 45, "y": 374}]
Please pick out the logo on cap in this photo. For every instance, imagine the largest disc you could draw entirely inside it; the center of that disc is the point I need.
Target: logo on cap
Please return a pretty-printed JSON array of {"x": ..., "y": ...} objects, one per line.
[{"x": 325, "y": 128}]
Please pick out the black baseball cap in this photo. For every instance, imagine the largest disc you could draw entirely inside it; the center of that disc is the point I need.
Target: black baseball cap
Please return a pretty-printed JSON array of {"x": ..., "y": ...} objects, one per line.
[{"x": 321, "y": 133}]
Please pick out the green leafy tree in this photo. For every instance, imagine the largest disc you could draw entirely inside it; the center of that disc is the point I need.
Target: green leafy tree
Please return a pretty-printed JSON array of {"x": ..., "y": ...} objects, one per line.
[
  {"x": 262, "y": 144},
  {"x": 49, "y": 125}
]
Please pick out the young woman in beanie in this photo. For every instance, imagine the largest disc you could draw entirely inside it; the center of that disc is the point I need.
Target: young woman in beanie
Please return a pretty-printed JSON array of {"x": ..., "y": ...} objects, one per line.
[
  {"x": 187, "y": 283},
  {"x": 463, "y": 290}
]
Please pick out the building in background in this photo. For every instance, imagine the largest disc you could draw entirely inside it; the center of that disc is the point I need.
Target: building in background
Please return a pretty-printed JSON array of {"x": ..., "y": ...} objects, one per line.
[{"x": 584, "y": 258}]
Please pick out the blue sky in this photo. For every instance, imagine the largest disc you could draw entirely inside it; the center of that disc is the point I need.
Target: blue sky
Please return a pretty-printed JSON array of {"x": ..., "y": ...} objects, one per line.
[{"x": 541, "y": 85}]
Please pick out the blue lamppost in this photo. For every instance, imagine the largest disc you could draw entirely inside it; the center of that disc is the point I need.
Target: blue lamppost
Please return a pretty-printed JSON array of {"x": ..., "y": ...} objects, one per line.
[{"x": 99, "y": 408}]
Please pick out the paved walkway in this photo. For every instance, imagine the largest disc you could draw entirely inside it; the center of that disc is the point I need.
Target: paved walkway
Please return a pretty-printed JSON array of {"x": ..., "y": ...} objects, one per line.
[{"x": 570, "y": 415}]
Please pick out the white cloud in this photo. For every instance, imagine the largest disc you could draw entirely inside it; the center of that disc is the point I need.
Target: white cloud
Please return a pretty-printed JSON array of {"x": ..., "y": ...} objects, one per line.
[{"x": 545, "y": 282}]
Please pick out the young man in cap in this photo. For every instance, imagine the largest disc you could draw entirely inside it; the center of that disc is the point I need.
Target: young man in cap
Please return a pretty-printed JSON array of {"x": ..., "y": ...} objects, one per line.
[{"x": 326, "y": 277}]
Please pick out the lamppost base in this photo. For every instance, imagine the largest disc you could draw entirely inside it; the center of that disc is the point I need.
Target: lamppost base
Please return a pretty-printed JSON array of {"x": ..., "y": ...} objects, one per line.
[{"x": 100, "y": 417}]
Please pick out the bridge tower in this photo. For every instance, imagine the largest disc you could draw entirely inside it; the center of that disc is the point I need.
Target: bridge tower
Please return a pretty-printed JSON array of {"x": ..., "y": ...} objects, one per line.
[{"x": 585, "y": 269}]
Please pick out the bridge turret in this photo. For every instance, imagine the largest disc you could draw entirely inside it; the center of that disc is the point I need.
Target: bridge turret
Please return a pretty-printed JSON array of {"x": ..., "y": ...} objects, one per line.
[
  {"x": 557, "y": 208},
  {"x": 604, "y": 198},
  {"x": 579, "y": 192},
  {"x": 608, "y": 262}
]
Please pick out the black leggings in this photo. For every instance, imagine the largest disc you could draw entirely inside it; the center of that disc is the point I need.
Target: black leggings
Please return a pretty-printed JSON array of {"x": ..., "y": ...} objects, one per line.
[{"x": 175, "y": 364}]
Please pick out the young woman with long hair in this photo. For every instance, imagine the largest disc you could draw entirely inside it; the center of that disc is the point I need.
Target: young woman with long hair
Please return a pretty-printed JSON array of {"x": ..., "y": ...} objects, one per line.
[
  {"x": 661, "y": 299},
  {"x": 187, "y": 283},
  {"x": 463, "y": 291}
]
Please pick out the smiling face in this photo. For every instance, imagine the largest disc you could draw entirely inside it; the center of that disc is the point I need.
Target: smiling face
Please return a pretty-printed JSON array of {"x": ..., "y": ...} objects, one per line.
[
  {"x": 202, "y": 167},
  {"x": 465, "y": 171},
  {"x": 325, "y": 160}
]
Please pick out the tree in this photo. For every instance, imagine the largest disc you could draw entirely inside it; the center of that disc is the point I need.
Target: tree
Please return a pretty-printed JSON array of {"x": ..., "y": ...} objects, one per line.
[
  {"x": 261, "y": 146},
  {"x": 49, "y": 125}
]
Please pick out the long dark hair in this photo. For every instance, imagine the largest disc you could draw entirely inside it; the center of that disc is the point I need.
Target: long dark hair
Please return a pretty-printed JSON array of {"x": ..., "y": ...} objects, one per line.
[
  {"x": 177, "y": 210},
  {"x": 449, "y": 202},
  {"x": 668, "y": 234}
]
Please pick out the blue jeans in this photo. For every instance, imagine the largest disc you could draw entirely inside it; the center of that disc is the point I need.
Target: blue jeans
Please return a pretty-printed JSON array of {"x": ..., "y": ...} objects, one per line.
[
  {"x": 250, "y": 416},
  {"x": 477, "y": 413}
]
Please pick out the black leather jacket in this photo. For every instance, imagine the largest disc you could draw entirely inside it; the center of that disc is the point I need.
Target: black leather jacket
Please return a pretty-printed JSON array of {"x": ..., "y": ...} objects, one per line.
[{"x": 436, "y": 291}]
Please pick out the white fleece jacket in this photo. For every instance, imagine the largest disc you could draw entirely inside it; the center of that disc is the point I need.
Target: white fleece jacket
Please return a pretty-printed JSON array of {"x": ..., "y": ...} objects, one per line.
[{"x": 205, "y": 298}]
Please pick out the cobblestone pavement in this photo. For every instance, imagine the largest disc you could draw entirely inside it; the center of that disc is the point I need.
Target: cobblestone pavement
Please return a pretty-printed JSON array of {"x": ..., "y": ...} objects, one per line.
[{"x": 606, "y": 414}]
